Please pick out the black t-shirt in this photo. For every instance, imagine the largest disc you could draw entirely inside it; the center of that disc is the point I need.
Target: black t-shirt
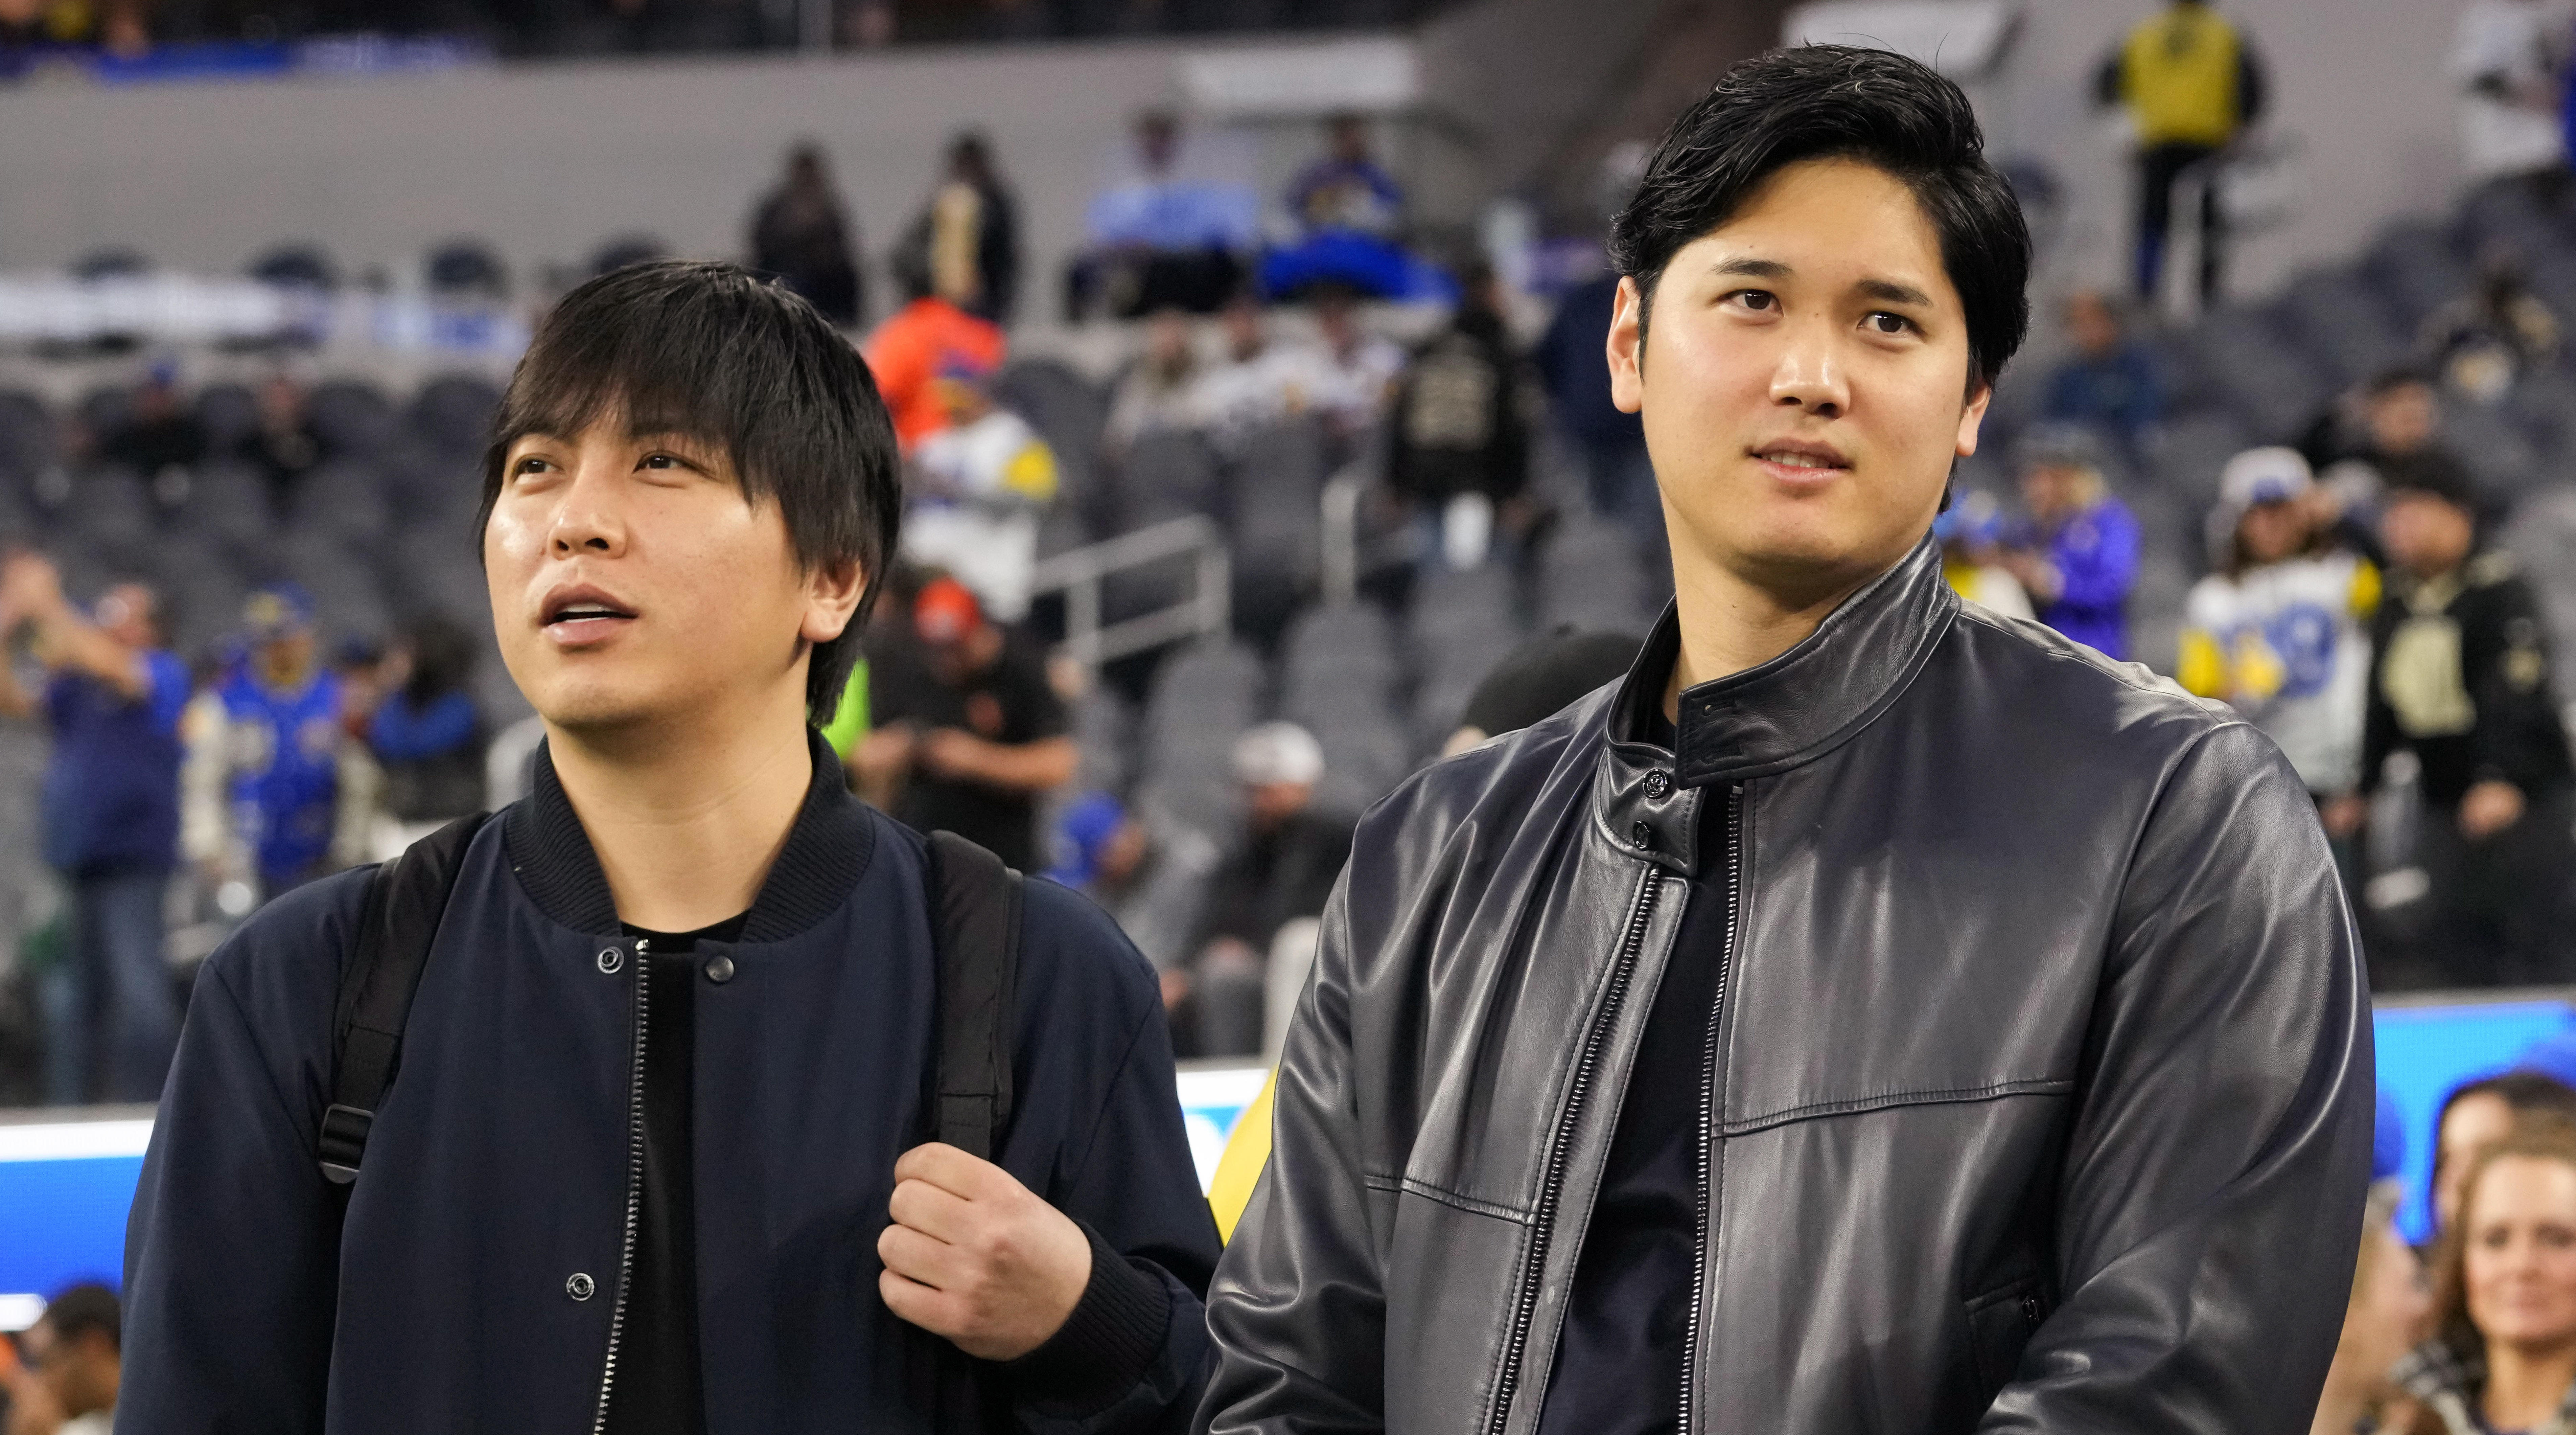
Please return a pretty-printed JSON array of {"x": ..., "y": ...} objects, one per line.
[
  {"x": 1009, "y": 702},
  {"x": 1620, "y": 1358},
  {"x": 656, "y": 1390}
]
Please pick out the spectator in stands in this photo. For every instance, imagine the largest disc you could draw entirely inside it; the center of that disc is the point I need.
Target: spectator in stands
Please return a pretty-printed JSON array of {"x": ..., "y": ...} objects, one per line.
[
  {"x": 1971, "y": 533},
  {"x": 967, "y": 239},
  {"x": 1610, "y": 444},
  {"x": 161, "y": 433},
  {"x": 2110, "y": 383},
  {"x": 265, "y": 796},
  {"x": 427, "y": 732},
  {"x": 284, "y": 446},
  {"x": 2401, "y": 435},
  {"x": 2460, "y": 678},
  {"x": 1359, "y": 368},
  {"x": 2503, "y": 1352},
  {"x": 2192, "y": 83},
  {"x": 908, "y": 352},
  {"x": 2281, "y": 630},
  {"x": 2483, "y": 341},
  {"x": 1458, "y": 454},
  {"x": 1259, "y": 381},
  {"x": 110, "y": 814},
  {"x": 1280, "y": 867},
  {"x": 802, "y": 235},
  {"x": 1349, "y": 213},
  {"x": 1168, "y": 231},
  {"x": 1151, "y": 876},
  {"x": 968, "y": 732},
  {"x": 2479, "y": 1113},
  {"x": 1160, "y": 392},
  {"x": 2510, "y": 58},
  {"x": 2384, "y": 1320},
  {"x": 975, "y": 493},
  {"x": 1539, "y": 678},
  {"x": 72, "y": 1368},
  {"x": 2080, "y": 557}
]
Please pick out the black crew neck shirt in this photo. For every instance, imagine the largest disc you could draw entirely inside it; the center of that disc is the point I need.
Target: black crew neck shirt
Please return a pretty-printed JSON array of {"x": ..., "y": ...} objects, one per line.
[
  {"x": 656, "y": 1390},
  {"x": 1623, "y": 1352}
]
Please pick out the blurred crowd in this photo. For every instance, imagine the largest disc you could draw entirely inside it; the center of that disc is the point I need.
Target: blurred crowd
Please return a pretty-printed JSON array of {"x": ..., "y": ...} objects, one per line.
[{"x": 134, "y": 29}]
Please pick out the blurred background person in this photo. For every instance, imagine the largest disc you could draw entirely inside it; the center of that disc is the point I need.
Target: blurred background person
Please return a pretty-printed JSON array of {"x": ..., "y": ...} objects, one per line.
[
  {"x": 2477, "y": 1114},
  {"x": 967, "y": 239},
  {"x": 1457, "y": 447},
  {"x": 283, "y": 445},
  {"x": 2389, "y": 1310},
  {"x": 2503, "y": 1352},
  {"x": 1160, "y": 390},
  {"x": 264, "y": 796},
  {"x": 802, "y": 235},
  {"x": 2510, "y": 60},
  {"x": 2078, "y": 557},
  {"x": 66, "y": 1383},
  {"x": 2487, "y": 339},
  {"x": 2460, "y": 679},
  {"x": 1169, "y": 230},
  {"x": 113, "y": 700},
  {"x": 1257, "y": 380},
  {"x": 1539, "y": 679},
  {"x": 2109, "y": 383},
  {"x": 929, "y": 336},
  {"x": 1610, "y": 445},
  {"x": 426, "y": 734},
  {"x": 975, "y": 492},
  {"x": 1279, "y": 866},
  {"x": 1348, "y": 213},
  {"x": 160, "y": 432},
  {"x": 1150, "y": 876},
  {"x": 968, "y": 733},
  {"x": 1355, "y": 368},
  {"x": 1971, "y": 534},
  {"x": 2281, "y": 630},
  {"x": 2191, "y": 83}
]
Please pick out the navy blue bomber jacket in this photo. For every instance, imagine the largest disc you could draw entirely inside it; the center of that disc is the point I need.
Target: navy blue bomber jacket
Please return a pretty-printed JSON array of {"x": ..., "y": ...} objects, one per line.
[{"x": 472, "y": 1286}]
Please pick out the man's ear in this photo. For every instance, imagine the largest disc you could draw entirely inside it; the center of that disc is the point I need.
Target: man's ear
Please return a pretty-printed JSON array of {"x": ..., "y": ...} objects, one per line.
[
  {"x": 831, "y": 599},
  {"x": 1626, "y": 347},
  {"x": 1972, "y": 418}
]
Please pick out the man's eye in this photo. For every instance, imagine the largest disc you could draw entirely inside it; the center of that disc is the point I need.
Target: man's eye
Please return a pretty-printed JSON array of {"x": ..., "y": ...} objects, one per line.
[
  {"x": 1883, "y": 322},
  {"x": 1759, "y": 300},
  {"x": 660, "y": 461},
  {"x": 528, "y": 465}
]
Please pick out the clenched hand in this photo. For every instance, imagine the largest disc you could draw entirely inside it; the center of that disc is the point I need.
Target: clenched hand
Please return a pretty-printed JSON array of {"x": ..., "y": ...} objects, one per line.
[{"x": 975, "y": 1256}]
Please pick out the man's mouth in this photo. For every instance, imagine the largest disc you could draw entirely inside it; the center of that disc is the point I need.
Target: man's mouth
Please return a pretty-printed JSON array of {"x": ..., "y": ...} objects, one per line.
[
  {"x": 582, "y": 615},
  {"x": 1811, "y": 458}
]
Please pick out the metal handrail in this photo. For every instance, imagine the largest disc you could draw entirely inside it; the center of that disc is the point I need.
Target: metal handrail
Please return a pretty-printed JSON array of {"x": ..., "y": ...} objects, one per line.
[{"x": 1079, "y": 572}]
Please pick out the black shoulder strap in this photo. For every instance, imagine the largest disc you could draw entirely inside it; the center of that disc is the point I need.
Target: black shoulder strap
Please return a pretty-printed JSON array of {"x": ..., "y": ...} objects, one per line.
[
  {"x": 405, "y": 899},
  {"x": 975, "y": 927}
]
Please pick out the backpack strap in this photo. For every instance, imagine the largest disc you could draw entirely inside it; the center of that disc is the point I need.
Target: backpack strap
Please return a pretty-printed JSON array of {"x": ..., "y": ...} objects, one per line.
[
  {"x": 405, "y": 898},
  {"x": 975, "y": 928}
]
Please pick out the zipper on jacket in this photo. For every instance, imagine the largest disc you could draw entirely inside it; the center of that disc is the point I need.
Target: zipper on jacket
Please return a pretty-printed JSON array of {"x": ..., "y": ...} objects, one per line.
[
  {"x": 634, "y": 1185},
  {"x": 1525, "y": 1308},
  {"x": 1734, "y": 856}
]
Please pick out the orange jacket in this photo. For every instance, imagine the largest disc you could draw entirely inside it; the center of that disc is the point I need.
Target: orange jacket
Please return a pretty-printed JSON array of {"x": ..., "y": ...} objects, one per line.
[{"x": 907, "y": 352}]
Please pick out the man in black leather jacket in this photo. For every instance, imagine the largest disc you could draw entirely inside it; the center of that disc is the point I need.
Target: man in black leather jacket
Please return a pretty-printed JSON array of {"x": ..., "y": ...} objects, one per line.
[{"x": 1874, "y": 1014}]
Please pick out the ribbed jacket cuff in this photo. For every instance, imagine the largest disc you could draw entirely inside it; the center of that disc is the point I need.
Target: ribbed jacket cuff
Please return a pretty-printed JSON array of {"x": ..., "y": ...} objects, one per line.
[{"x": 1107, "y": 1345}]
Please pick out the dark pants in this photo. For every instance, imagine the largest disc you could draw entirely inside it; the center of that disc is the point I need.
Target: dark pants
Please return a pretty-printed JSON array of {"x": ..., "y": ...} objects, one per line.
[
  {"x": 2505, "y": 907},
  {"x": 2160, "y": 167},
  {"x": 117, "y": 1018}
]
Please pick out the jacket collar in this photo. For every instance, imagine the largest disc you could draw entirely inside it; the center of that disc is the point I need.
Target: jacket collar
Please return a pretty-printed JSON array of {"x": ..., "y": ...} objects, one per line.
[
  {"x": 826, "y": 852},
  {"x": 1768, "y": 719}
]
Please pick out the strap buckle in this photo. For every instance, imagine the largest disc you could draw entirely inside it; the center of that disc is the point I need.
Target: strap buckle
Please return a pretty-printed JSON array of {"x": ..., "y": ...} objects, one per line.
[{"x": 343, "y": 1142}]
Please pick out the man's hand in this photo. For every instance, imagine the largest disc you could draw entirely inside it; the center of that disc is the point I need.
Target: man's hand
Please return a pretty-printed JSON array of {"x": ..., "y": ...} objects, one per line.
[
  {"x": 975, "y": 1256},
  {"x": 2343, "y": 816},
  {"x": 2489, "y": 808},
  {"x": 951, "y": 752}
]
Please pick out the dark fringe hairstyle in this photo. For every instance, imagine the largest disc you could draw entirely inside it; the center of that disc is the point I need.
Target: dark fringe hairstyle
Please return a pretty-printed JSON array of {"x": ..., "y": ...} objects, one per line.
[
  {"x": 710, "y": 352},
  {"x": 1837, "y": 102}
]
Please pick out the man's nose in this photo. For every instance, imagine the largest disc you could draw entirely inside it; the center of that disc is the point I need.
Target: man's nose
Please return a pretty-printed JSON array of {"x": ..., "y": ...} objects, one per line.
[
  {"x": 591, "y": 518},
  {"x": 1809, "y": 375}
]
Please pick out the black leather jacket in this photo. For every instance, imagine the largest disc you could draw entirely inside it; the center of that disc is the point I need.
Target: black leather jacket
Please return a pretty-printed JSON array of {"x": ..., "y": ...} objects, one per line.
[{"x": 2043, "y": 1072}]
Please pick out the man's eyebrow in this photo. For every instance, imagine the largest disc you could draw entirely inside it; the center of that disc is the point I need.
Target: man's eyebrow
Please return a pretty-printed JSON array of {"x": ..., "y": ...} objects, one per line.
[
  {"x": 1754, "y": 268},
  {"x": 1888, "y": 291}
]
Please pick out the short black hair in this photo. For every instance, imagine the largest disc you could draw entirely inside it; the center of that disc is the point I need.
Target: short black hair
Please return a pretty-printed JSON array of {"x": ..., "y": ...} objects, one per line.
[
  {"x": 80, "y": 1309},
  {"x": 1840, "y": 102},
  {"x": 711, "y": 351}
]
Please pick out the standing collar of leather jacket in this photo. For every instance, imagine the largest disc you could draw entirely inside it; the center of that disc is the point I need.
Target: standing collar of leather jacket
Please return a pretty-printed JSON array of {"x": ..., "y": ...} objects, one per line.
[
  {"x": 826, "y": 852},
  {"x": 1767, "y": 719}
]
